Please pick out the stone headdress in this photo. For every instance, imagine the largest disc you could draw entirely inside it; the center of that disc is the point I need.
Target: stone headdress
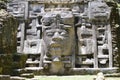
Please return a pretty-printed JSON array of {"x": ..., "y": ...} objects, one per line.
[{"x": 57, "y": 19}]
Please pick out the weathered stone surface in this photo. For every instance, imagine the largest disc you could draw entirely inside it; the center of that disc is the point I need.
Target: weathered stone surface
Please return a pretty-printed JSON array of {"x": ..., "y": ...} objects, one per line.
[
  {"x": 27, "y": 75},
  {"x": 58, "y": 29},
  {"x": 65, "y": 34},
  {"x": 98, "y": 12}
]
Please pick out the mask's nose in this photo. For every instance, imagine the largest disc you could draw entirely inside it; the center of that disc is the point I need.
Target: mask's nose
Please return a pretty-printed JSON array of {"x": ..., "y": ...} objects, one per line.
[{"x": 56, "y": 37}]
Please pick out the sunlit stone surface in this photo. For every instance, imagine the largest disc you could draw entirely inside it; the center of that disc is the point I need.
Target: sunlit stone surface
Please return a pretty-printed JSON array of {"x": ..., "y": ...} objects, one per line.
[{"x": 65, "y": 35}]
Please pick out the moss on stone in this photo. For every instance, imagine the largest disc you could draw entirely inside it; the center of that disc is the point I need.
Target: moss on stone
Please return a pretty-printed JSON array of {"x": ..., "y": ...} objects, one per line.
[
  {"x": 8, "y": 33},
  {"x": 8, "y": 64}
]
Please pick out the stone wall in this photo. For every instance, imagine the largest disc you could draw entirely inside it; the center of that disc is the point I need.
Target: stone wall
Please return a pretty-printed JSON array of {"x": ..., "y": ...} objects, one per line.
[
  {"x": 93, "y": 42},
  {"x": 44, "y": 29}
]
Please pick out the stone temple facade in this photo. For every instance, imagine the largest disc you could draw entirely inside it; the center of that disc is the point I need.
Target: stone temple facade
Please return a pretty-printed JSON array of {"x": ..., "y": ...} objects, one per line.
[{"x": 64, "y": 35}]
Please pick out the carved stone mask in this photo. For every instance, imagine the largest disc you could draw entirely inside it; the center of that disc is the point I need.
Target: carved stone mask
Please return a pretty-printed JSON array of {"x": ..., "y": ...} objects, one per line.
[{"x": 58, "y": 33}]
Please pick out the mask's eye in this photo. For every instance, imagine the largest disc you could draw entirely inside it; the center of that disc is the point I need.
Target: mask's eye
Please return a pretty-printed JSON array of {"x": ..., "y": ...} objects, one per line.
[
  {"x": 50, "y": 34},
  {"x": 47, "y": 21},
  {"x": 64, "y": 34}
]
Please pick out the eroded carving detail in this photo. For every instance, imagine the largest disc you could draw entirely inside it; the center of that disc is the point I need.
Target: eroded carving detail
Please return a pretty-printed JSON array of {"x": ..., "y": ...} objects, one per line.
[
  {"x": 58, "y": 36},
  {"x": 64, "y": 34}
]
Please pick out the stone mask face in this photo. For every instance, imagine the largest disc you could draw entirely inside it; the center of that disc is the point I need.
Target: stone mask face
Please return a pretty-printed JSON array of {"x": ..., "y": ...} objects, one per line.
[{"x": 58, "y": 35}]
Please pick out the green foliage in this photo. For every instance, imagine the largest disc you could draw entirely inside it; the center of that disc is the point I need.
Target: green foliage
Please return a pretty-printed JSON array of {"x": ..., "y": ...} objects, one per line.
[
  {"x": 10, "y": 62},
  {"x": 118, "y": 36},
  {"x": 8, "y": 37},
  {"x": 6, "y": 64},
  {"x": 0, "y": 70},
  {"x": 23, "y": 60},
  {"x": 118, "y": 45},
  {"x": 19, "y": 60}
]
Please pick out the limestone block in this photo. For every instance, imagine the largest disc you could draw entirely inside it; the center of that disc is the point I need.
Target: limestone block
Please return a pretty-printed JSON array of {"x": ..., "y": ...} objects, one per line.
[
  {"x": 98, "y": 10},
  {"x": 36, "y": 8},
  {"x": 16, "y": 9},
  {"x": 32, "y": 46}
]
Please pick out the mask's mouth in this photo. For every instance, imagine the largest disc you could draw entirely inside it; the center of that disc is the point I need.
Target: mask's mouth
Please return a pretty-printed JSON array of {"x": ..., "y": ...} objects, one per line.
[
  {"x": 55, "y": 45},
  {"x": 55, "y": 49}
]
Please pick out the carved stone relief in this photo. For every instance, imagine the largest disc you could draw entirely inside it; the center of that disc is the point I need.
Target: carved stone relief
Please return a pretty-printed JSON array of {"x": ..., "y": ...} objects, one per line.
[
  {"x": 58, "y": 35},
  {"x": 65, "y": 33}
]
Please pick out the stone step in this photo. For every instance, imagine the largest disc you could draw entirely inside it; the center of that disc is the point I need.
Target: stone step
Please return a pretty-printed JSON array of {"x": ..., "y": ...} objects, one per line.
[
  {"x": 33, "y": 68},
  {"x": 27, "y": 75},
  {"x": 33, "y": 62},
  {"x": 47, "y": 61},
  {"x": 93, "y": 70},
  {"x": 17, "y": 78},
  {"x": 28, "y": 71},
  {"x": 113, "y": 75}
]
